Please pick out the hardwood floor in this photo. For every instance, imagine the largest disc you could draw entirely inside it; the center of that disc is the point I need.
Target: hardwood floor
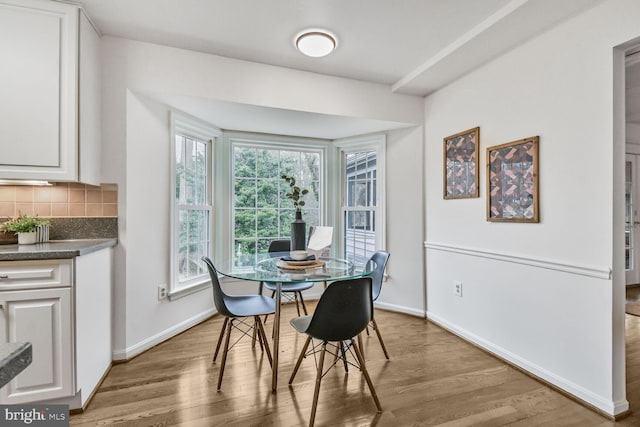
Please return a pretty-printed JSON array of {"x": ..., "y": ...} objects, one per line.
[{"x": 433, "y": 379}]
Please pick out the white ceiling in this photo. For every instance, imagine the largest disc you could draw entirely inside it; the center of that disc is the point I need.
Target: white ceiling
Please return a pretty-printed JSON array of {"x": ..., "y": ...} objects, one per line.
[
  {"x": 414, "y": 46},
  {"x": 277, "y": 121}
]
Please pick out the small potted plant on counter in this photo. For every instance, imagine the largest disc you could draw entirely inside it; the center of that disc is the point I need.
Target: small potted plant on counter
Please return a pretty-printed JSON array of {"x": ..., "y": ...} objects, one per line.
[
  {"x": 25, "y": 227},
  {"x": 7, "y": 237}
]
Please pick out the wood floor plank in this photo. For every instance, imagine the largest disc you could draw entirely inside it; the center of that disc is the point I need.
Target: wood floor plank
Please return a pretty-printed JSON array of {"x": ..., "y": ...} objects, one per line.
[{"x": 433, "y": 379}]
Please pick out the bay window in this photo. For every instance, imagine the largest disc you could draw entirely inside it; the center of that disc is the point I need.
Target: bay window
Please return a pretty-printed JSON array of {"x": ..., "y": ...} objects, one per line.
[
  {"x": 191, "y": 203},
  {"x": 261, "y": 212},
  {"x": 362, "y": 221}
]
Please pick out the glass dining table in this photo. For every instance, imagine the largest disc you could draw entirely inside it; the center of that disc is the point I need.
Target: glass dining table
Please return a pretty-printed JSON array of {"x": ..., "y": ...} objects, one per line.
[{"x": 274, "y": 270}]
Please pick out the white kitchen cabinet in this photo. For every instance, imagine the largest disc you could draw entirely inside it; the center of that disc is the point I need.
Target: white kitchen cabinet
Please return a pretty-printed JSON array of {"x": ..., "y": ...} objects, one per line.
[
  {"x": 93, "y": 278},
  {"x": 63, "y": 307},
  {"x": 43, "y": 318},
  {"x": 90, "y": 104},
  {"x": 49, "y": 120}
]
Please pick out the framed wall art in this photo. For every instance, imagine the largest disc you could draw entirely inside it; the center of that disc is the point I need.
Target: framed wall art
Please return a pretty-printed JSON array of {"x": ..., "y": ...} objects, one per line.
[
  {"x": 512, "y": 181},
  {"x": 461, "y": 154}
]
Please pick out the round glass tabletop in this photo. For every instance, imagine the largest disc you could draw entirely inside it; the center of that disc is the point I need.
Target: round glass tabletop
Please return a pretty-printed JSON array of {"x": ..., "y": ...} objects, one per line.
[{"x": 276, "y": 270}]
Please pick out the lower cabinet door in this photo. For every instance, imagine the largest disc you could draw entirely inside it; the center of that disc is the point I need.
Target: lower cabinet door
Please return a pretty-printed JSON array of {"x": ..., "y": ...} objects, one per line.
[{"x": 43, "y": 318}]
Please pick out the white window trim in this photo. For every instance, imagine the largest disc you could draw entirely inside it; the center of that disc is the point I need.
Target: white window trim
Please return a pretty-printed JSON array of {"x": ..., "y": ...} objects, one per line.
[
  {"x": 346, "y": 146},
  {"x": 198, "y": 129},
  {"x": 276, "y": 142}
]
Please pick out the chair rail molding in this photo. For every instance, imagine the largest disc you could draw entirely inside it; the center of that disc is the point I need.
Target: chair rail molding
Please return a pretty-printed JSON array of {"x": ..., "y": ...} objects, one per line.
[{"x": 603, "y": 272}]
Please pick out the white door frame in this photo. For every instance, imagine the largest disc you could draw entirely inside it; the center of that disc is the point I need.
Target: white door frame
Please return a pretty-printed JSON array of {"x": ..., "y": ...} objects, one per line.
[{"x": 632, "y": 219}]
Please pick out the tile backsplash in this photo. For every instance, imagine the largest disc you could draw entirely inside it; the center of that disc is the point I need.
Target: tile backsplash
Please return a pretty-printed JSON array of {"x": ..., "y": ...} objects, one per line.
[{"x": 60, "y": 200}]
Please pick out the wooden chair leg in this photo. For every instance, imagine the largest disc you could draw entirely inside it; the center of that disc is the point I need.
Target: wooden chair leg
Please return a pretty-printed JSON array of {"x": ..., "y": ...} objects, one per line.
[
  {"x": 344, "y": 356},
  {"x": 224, "y": 353},
  {"x": 304, "y": 306},
  {"x": 256, "y": 320},
  {"x": 363, "y": 368},
  {"x": 316, "y": 392},
  {"x": 360, "y": 344},
  {"x": 273, "y": 293},
  {"x": 253, "y": 337},
  {"x": 384, "y": 348},
  {"x": 304, "y": 350},
  {"x": 295, "y": 296},
  {"x": 224, "y": 327},
  {"x": 264, "y": 339}
]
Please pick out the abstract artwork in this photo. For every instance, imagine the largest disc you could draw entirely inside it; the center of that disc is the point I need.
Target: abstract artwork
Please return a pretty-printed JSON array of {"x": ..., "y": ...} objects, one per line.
[
  {"x": 512, "y": 181},
  {"x": 461, "y": 178}
]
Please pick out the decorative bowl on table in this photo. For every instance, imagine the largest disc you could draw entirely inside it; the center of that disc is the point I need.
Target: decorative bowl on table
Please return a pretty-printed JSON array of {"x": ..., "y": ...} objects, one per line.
[
  {"x": 299, "y": 255},
  {"x": 291, "y": 261},
  {"x": 288, "y": 263}
]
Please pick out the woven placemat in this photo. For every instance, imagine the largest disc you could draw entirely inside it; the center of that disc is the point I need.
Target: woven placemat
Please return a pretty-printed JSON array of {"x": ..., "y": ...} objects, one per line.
[{"x": 283, "y": 265}]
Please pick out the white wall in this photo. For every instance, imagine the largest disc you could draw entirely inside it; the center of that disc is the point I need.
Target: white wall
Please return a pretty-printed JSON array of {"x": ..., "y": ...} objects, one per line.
[
  {"x": 540, "y": 295},
  {"x": 633, "y": 133},
  {"x": 404, "y": 288},
  {"x": 136, "y": 150}
]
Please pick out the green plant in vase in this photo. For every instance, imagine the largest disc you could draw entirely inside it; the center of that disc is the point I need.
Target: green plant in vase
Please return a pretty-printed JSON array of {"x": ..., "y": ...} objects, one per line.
[
  {"x": 25, "y": 227},
  {"x": 296, "y": 192},
  {"x": 298, "y": 227}
]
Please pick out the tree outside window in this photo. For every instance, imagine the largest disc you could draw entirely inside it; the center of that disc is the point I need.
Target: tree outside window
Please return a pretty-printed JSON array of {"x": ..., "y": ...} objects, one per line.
[
  {"x": 192, "y": 203},
  {"x": 261, "y": 211}
]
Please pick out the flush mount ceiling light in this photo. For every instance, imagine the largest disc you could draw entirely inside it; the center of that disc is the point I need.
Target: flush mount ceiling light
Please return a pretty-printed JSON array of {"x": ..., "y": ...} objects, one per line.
[{"x": 316, "y": 43}]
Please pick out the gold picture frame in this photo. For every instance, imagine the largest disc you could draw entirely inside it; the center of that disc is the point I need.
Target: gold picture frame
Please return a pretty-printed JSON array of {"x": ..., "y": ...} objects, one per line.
[
  {"x": 512, "y": 181},
  {"x": 460, "y": 164}
]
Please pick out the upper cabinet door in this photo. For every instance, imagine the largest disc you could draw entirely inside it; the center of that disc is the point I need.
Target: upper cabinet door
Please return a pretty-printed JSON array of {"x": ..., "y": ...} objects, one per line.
[
  {"x": 90, "y": 104},
  {"x": 39, "y": 90}
]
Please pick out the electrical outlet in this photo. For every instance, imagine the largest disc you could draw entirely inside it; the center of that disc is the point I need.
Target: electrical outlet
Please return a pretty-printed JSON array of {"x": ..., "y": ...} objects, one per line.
[
  {"x": 162, "y": 292},
  {"x": 457, "y": 288}
]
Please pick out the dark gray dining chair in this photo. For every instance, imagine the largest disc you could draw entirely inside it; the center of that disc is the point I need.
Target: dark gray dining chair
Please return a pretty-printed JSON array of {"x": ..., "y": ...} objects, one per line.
[
  {"x": 343, "y": 311},
  {"x": 276, "y": 246},
  {"x": 235, "y": 308},
  {"x": 380, "y": 259}
]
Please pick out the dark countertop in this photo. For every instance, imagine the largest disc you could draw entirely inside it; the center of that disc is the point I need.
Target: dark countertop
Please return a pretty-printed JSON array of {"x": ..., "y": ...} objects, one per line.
[
  {"x": 14, "y": 358},
  {"x": 54, "y": 249}
]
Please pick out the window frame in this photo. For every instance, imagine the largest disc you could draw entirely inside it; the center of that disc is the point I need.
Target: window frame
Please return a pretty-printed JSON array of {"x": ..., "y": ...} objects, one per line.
[
  {"x": 276, "y": 142},
  {"x": 181, "y": 124},
  {"x": 354, "y": 145}
]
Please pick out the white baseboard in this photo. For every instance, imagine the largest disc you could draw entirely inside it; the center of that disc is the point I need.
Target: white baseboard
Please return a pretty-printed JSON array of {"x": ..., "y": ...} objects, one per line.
[
  {"x": 602, "y": 403},
  {"x": 146, "y": 344},
  {"x": 311, "y": 296},
  {"x": 400, "y": 309},
  {"x": 383, "y": 305}
]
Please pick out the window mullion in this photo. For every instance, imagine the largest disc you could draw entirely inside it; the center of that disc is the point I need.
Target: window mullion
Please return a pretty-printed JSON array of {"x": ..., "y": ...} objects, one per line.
[{"x": 195, "y": 207}]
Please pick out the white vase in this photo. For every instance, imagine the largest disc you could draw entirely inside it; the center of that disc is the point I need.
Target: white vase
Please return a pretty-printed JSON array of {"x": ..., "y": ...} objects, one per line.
[
  {"x": 27, "y": 238},
  {"x": 42, "y": 234}
]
